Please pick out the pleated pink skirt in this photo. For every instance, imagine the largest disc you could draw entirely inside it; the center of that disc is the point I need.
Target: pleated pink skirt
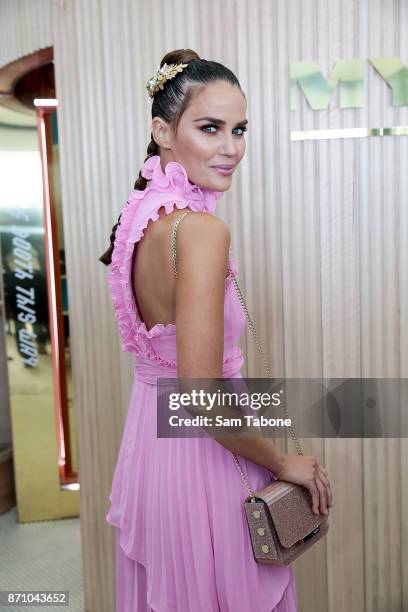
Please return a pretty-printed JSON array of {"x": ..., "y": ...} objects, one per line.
[{"x": 132, "y": 595}]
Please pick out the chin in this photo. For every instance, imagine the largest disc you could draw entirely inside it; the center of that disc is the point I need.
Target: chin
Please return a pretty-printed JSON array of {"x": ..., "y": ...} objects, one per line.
[
  {"x": 221, "y": 184},
  {"x": 224, "y": 184},
  {"x": 223, "y": 187}
]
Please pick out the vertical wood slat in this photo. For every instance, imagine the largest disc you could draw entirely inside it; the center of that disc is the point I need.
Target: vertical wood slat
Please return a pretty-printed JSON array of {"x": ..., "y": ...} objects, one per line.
[
  {"x": 319, "y": 230},
  {"x": 402, "y": 162},
  {"x": 25, "y": 27}
]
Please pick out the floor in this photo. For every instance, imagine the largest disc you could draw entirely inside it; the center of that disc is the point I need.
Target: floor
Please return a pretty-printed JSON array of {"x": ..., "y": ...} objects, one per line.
[{"x": 39, "y": 556}]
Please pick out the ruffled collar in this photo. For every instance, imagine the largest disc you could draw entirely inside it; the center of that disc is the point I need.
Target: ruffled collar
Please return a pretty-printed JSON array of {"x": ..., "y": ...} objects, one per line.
[{"x": 175, "y": 179}]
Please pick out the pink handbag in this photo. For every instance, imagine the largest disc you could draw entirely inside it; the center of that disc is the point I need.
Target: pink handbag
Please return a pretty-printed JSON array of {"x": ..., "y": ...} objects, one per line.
[{"x": 281, "y": 522}]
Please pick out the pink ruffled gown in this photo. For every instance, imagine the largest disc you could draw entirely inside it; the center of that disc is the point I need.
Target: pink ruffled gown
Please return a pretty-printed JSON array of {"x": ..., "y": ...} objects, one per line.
[{"x": 182, "y": 541}]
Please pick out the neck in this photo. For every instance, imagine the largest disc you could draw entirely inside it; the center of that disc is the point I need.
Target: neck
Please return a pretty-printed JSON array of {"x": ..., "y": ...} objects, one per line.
[{"x": 166, "y": 156}]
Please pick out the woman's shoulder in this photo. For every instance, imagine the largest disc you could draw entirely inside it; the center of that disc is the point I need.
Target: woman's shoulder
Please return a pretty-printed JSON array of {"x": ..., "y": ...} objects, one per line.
[
  {"x": 195, "y": 226},
  {"x": 203, "y": 244},
  {"x": 203, "y": 228}
]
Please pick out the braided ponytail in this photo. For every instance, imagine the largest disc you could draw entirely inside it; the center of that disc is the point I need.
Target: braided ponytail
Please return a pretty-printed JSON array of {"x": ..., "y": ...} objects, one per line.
[{"x": 140, "y": 184}]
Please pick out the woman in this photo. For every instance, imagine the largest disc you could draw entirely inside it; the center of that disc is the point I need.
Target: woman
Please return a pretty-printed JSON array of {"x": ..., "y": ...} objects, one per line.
[{"x": 182, "y": 541}]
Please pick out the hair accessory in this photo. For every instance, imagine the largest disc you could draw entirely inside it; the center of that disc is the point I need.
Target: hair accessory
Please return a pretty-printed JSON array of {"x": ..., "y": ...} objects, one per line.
[{"x": 165, "y": 73}]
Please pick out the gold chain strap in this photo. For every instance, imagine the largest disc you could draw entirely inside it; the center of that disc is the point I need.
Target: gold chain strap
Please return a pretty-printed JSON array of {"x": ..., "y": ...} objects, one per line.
[
  {"x": 173, "y": 241},
  {"x": 258, "y": 344}
]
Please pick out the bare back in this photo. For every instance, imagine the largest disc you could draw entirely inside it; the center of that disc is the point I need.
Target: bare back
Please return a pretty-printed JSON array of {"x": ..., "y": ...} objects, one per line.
[{"x": 153, "y": 279}]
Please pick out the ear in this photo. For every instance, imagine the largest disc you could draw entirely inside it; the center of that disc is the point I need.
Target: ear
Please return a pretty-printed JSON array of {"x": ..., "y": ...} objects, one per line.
[{"x": 162, "y": 133}]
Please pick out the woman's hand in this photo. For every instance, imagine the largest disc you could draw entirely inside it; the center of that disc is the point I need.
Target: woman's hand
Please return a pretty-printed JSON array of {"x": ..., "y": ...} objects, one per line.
[{"x": 307, "y": 471}]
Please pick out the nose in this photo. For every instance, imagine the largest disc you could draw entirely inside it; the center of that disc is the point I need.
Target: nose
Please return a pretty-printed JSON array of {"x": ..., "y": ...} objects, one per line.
[{"x": 229, "y": 145}]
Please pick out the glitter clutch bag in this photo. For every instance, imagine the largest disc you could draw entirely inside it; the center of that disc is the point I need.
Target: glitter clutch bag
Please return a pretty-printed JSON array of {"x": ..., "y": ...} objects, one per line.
[{"x": 281, "y": 521}]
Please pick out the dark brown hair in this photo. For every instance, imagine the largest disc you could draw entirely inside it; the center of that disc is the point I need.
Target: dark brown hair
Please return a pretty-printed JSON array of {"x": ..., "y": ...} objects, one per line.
[{"x": 172, "y": 101}]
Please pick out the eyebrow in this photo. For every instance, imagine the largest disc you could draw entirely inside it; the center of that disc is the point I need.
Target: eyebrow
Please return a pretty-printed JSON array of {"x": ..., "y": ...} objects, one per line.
[{"x": 220, "y": 121}]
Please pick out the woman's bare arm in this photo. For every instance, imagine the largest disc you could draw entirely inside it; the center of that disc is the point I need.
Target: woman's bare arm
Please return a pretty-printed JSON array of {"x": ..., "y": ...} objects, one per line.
[{"x": 203, "y": 243}]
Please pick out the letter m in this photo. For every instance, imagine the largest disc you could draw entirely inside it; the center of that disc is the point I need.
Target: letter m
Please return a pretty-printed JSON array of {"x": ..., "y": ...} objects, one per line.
[{"x": 319, "y": 90}]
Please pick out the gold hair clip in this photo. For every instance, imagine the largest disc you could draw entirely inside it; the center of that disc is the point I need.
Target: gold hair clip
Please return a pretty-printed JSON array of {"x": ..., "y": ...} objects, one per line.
[{"x": 164, "y": 73}]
